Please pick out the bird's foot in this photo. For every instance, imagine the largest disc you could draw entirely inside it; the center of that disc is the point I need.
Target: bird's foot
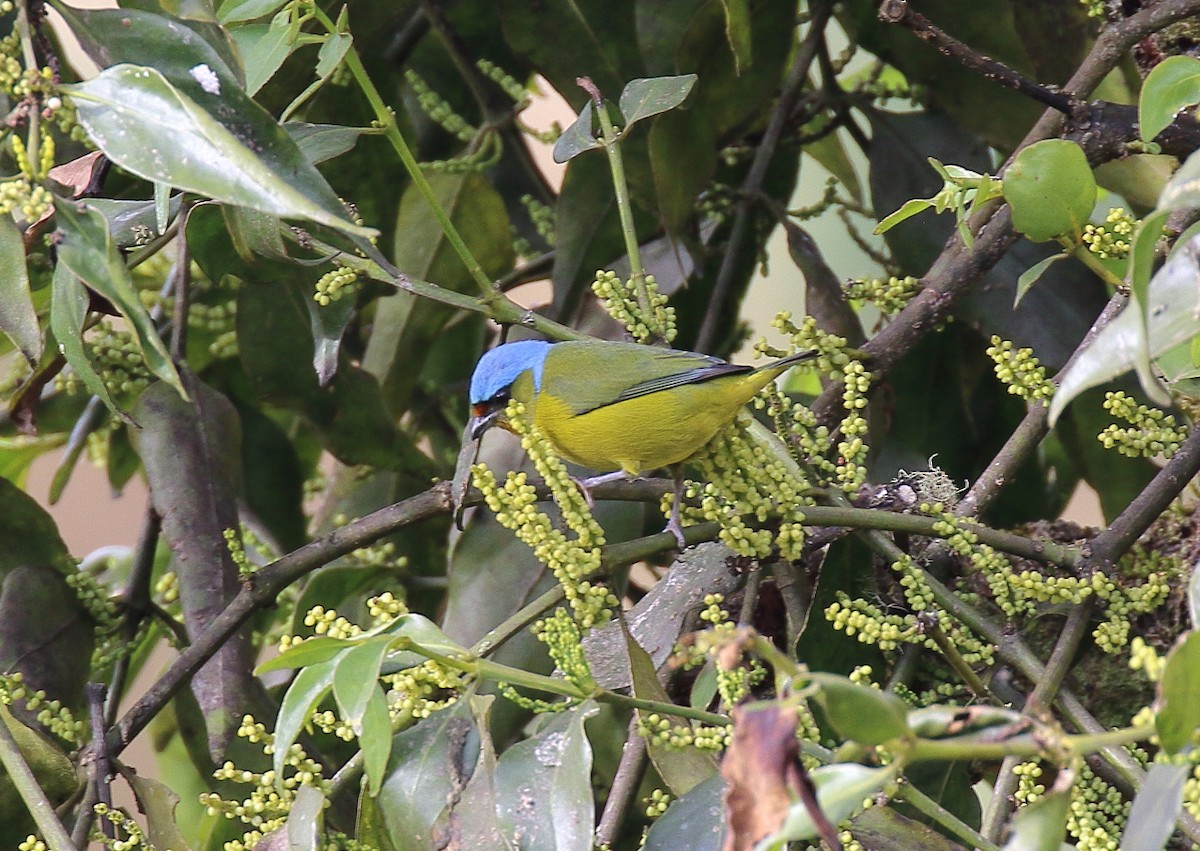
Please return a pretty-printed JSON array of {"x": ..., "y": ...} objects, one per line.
[
  {"x": 585, "y": 485},
  {"x": 675, "y": 527}
]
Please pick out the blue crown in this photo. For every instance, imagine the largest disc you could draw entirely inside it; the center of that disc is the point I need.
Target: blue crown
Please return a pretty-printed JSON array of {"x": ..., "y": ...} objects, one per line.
[{"x": 500, "y": 367}]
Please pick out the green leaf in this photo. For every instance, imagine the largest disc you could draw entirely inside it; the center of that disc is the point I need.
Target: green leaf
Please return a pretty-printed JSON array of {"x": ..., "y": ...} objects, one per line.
[
  {"x": 649, "y": 96},
  {"x": 305, "y": 819},
  {"x": 577, "y": 138},
  {"x": 1030, "y": 276},
  {"x": 738, "y": 32},
  {"x": 1042, "y": 825},
  {"x": 1183, "y": 190},
  {"x": 321, "y": 142},
  {"x": 680, "y": 769},
  {"x": 1194, "y": 596},
  {"x": 424, "y": 775},
  {"x": 18, "y": 319},
  {"x": 840, "y": 792},
  {"x": 147, "y": 126},
  {"x": 861, "y": 713},
  {"x": 356, "y": 678},
  {"x": 694, "y": 821},
  {"x": 1178, "y": 713},
  {"x": 552, "y": 769},
  {"x": 1172, "y": 299},
  {"x": 375, "y": 738},
  {"x": 1051, "y": 190},
  {"x": 237, "y": 11},
  {"x": 1159, "y": 800},
  {"x": 907, "y": 211},
  {"x": 68, "y": 310},
  {"x": 158, "y": 801},
  {"x": 182, "y": 443},
  {"x": 264, "y": 48},
  {"x": 86, "y": 248},
  {"x": 311, "y": 651},
  {"x": 1173, "y": 84},
  {"x": 301, "y": 698}
]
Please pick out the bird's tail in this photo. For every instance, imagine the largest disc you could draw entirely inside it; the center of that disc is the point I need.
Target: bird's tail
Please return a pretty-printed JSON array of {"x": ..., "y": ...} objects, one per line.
[{"x": 777, "y": 367}]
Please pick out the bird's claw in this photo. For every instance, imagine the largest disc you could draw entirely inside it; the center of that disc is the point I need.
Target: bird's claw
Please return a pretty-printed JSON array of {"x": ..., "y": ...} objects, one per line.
[{"x": 675, "y": 527}]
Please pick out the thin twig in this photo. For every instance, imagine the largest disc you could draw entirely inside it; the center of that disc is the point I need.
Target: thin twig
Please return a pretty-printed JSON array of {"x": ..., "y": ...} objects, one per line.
[
  {"x": 101, "y": 765},
  {"x": 624, "y": 785},
  {"x": 793, "y": 84},
  {"x": 899, "y": 12},
  {"x": 136, "y": 604},
  {"x": 1123, "y": 532},
  {"x": 22, "y": 778}
]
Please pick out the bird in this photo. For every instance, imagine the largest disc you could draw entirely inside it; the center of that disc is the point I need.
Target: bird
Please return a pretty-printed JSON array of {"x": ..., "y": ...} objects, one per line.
[{"x": 617, "y": 406}]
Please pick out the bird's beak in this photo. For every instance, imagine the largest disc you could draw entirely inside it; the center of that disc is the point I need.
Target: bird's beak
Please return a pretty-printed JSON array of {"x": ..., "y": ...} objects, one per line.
[{"x": 482, "y": 422}]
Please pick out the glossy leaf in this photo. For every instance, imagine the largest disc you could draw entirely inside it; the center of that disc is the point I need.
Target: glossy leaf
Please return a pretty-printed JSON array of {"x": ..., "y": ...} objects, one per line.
[
  {"x": 159, "y": 802},
  {"x": 375, "y": 738},
  {"x": 680, "y": 769},
  {"x": 651, "y": 96},
  {"x": 311, "y": 651},
  {"x": 68, "y": 310},
  {"x": 1051, "y": 190},
  {"x": 238, "y": 11},
  {"x": 861, "y": 713},
  {"x": 1183, "y": 190},
  {"x": 183, "y": 442},
  {"x": 841, "y": 790},
  {"x": 321, "y": 142},
  {"x": 1178, "y": 715},
  {"x": 1172, "y": 300},
  {"x": 305, "y": 819},
  {"x": 906, "y": 211},
  {"x": 1170, "y": 86},
  {"x": 694, "y": 821},
  {"x": 356, "y": 679},
  {"x": 18, "y": 319},
  {"x": 264, "y": 47},
  {"x": 553, "y": 768},
  {"x": 1159, "y": 800},
  {"x": 425, "y": 773},
  {"x": 86, "y": 248},
  {"x": 577, "y": 138},
  {"x": 295, "y": 710},
  {"x": 1194, "y": 596},
  {"x": 129, "y": 112}
]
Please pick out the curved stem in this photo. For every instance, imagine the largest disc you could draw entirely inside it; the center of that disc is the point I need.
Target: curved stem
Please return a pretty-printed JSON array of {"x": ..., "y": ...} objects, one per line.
[{"x": 23, "y": 780}]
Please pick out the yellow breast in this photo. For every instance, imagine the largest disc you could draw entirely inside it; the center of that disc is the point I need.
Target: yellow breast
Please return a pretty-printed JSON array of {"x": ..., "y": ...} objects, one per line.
[{"x": 646, "y": 432}]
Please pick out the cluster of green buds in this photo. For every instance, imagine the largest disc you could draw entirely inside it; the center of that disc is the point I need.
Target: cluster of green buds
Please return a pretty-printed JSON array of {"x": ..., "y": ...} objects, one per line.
[
  {"x": 889, "y": 295},
  {"x": 620, "y": 300},
  {"x": 267, "y": 805},
  {"x": 677, "y": 737},
  {"x": 542, "y": 216},
  {"x": 438, "y": 110},
  {"x": 118, "y": 361},
  {"x": 571, "y": 560},
  {"x": 51, "y": 714},
  {"x": 517, "y": 91},
  {"x": 334, "y": 284},
  {"x": 128, "y": 835},
  {"x": 24, "y": 193},
  {"x": 483, "y": 153},
  {"x": 1151, "y": 431},
  {"x": 1097, "y": 813},
  {"x": 747, "y": 477},
  {"x": 656, "y": 803},
  {"x": 1113, "y": 239},
  {"x": 422, "y": 690},
  {"x": 1020, "y": 371}
]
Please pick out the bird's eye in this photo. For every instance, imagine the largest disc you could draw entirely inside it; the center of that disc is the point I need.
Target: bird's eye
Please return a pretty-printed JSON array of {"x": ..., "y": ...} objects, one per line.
[{"x": 501, "y": 397}]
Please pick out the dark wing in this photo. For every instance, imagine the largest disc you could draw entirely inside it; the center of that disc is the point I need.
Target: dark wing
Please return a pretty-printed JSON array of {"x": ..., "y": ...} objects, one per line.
[
  {"x": 592, "y": 375},
  {"x": 691, "y": 376}
]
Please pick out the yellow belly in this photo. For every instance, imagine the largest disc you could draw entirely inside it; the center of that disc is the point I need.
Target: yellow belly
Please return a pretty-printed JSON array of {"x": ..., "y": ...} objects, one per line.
[{"x": 643, "y": 433}]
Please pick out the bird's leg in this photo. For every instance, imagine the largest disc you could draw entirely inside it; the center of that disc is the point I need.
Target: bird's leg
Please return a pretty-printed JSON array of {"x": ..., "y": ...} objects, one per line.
[
  {"x": 675, "y": 524},
  {"x": 585, "y": 485}
]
